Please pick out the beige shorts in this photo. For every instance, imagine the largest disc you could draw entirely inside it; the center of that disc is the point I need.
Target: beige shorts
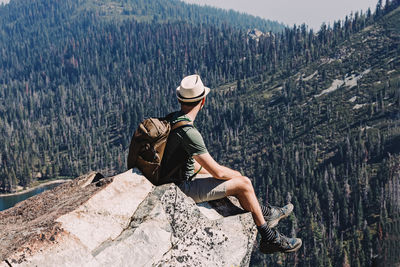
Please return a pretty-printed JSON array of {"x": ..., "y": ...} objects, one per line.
[{"x": 204, "y": 188}]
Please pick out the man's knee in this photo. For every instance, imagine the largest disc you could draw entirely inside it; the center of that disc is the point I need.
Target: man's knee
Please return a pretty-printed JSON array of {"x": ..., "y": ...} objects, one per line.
[
  {"x": 239, "y": 186},
  {"x": 247, "y": 181},
  {"x": 248, "y": 186},
  {"x": 244, "y": 184}
]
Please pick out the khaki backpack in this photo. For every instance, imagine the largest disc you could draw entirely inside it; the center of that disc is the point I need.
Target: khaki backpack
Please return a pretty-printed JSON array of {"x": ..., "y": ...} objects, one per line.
[{"x": 147, "y": 147}]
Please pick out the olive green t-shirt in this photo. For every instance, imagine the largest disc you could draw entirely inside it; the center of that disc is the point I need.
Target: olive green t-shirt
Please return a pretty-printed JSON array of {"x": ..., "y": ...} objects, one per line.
[{"x": 183, "y": 143}]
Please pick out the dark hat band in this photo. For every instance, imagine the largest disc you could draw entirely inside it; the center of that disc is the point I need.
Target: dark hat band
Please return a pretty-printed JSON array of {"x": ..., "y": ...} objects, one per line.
[{"x": 189, "y": 98}]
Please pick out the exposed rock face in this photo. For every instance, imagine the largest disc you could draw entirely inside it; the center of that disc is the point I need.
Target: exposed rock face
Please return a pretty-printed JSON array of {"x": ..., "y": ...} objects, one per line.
[
  {"x": 123, "y": 221},
  {"x": 256, "y": 34}
]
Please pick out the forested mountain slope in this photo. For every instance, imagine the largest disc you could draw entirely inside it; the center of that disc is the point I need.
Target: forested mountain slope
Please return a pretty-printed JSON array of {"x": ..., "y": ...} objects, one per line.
[
  {"x": 54, "y": 13},
  {"x": 326, "y": 137},
  {"x": 310, "y": 117},
  {"x": 75, "y": 85},
  {"x": 66, "y": 71}
]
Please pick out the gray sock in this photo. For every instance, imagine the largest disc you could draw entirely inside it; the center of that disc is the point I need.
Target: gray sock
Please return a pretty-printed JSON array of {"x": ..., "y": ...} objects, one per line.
[
  {"x": 266, "y": 210},
  {"x": 266, "y": 232}
]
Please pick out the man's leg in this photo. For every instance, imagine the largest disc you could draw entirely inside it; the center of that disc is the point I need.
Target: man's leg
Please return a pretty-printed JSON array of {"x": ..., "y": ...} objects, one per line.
[
  {"x": 244, "y": 191},
  {"x": 206, "y": 188},
  {"x": 209, "y": 188},
  {"x": 271, "y": 240}
]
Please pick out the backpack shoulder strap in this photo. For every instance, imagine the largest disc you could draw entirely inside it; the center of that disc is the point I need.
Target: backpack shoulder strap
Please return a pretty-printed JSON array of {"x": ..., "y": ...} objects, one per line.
[{"x": 181, "y": 124}]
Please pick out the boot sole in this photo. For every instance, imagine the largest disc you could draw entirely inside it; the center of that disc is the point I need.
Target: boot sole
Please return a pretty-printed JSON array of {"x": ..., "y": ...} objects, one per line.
[
  {"x": 271, "y": 251},
  {"x": 297, "y": 247},
  {"x": 275, "y": 222}
]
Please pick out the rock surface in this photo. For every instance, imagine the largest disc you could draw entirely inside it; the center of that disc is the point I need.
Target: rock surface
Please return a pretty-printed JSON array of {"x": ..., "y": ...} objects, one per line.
[{"x": 124, "y": 221}]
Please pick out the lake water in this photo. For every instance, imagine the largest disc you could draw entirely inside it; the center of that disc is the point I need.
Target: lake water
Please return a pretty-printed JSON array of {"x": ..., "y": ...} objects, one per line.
[{"x": 7, "y": 202}]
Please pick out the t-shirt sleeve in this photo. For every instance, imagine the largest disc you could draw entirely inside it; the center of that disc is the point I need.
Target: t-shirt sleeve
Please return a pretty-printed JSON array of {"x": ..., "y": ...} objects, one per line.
[{"x": 193, "y": 142}]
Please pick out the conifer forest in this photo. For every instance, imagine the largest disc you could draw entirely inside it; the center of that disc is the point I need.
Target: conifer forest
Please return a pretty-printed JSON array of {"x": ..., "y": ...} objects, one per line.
[{"x": 312, "y": 117}]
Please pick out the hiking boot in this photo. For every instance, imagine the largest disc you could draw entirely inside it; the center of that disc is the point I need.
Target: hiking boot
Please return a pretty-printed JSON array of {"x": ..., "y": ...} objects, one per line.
[
  {"x": 275, "y": 214},
  {"x": 280, "y": 243}
]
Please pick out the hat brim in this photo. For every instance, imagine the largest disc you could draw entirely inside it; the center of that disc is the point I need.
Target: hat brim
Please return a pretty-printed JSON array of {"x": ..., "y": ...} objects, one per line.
[{"x": 193, "y": 99}]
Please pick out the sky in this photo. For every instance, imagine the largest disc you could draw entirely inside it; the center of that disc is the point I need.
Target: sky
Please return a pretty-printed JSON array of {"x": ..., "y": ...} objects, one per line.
[{"x": 311, "y": 12}]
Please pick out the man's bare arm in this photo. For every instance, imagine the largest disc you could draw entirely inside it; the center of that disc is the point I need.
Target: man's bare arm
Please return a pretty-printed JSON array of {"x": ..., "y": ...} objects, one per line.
[
  {"x": 198, "y": 167},
  {"x": 216, "y": 170}
]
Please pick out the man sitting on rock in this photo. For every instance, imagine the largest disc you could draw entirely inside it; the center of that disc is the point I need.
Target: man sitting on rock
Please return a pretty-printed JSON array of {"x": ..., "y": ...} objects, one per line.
[{"x": 185, "y": 144}]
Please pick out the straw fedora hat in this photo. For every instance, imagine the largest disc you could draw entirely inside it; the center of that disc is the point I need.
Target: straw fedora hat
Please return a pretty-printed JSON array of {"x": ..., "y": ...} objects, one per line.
[{"x": 191, "y": 89}]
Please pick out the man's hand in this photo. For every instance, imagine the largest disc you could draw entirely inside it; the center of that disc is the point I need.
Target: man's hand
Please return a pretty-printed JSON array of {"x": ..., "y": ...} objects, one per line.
[{"x": 216, "y": 170}]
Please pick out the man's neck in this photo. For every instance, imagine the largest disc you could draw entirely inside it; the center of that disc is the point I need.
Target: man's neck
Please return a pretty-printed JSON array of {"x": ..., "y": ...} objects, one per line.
[{"x": 192, "y": 113}]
